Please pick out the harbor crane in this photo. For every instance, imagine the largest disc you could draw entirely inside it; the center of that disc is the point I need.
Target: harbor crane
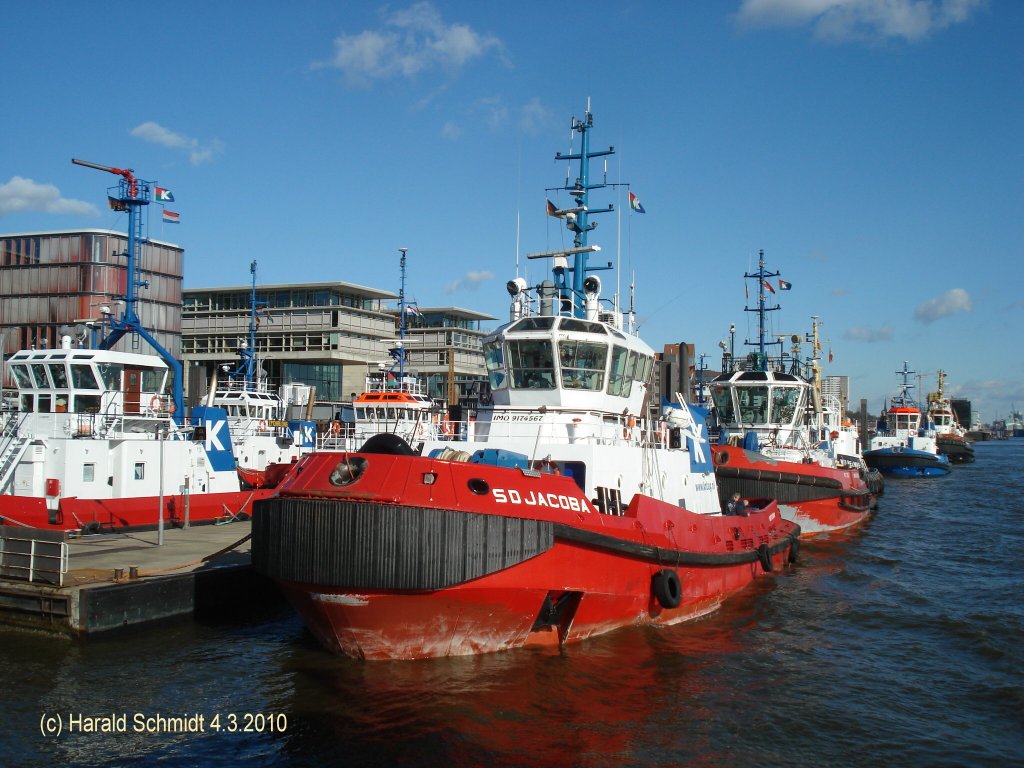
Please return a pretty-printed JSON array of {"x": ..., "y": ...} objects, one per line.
[{"x": 131, "y": 195}]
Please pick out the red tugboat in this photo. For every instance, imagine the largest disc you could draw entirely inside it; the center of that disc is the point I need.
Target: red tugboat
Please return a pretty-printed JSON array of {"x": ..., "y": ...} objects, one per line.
[
  {"x": 779, "y": 437},
  {"x": 563, "y": 512}
]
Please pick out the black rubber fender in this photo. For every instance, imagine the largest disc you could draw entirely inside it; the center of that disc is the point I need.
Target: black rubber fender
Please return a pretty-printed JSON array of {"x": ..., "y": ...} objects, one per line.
[
  {"x": 794, "y": 549},
  {"x": 387, "y": 443},
  {"x": 765, "y": 557},
  {"x": 667, "y": 588}
]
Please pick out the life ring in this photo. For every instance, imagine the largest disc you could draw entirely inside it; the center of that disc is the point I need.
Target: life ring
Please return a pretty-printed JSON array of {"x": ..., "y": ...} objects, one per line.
[
  {"x": 170, "y": 407},
  {"x": 154, "y": 404},
  {"x": 627, "y": 426},
  {"x": 834, "y": 435},
  {"x": 261, "y": 426},
  {"x": 765, "y": 557},
  {"x": 446, "y": 427},
  {"x": 667, "y": 588},
  {"x": 335, "y": 427}
]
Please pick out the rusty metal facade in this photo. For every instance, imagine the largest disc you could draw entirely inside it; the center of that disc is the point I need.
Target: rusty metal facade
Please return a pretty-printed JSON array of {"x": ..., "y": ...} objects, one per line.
[{"x": 55, "y": 280}]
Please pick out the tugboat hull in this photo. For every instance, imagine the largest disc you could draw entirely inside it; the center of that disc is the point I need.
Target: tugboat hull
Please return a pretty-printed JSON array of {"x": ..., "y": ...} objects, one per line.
[
  {"x": 907, "y": 462},
  {"x": 407, "y": 570},
  {"x": 956, "y": 449},
  {"x": 821, "y": 500}
]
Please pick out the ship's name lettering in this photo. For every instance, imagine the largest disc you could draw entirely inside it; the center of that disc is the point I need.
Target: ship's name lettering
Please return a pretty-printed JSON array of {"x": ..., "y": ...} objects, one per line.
[
  {"x": 517, "y": 417},
  {"x": 535, "y": 499}
]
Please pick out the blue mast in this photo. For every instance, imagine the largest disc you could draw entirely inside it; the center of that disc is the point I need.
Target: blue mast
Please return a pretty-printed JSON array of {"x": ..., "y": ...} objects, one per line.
[
  {"x": 401, "y": 321},
  {"x": 761, "y": 276},
  {"x": 904, "y": 397},
  {"x": 578, "y": 219},
  {"x": 132, "y": 194},
  {"x": 247, "y": 365}
]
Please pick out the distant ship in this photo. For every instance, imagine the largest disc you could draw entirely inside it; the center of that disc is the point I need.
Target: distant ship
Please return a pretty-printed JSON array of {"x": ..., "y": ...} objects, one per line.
[
  {"x": 950, "y": 434},
  {"x": 1014, "y": 424},
  {"x": 905, "y": 445}
]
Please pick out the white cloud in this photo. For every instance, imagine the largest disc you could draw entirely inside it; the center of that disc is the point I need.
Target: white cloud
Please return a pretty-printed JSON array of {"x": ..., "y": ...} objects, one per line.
[
  {"x": 26, "y": 196},
  {"x": 869, "y": 335},
  {"x": 197, "y": 152},
  {"x": 412, "y": 41},
  {"x": 470, "y": 282},
  {"x": 860, "y": 19},
  {"x": 948, "y": 303},
  {"x": 451, "y": 130},
  {"x": 532, "y": 116}
]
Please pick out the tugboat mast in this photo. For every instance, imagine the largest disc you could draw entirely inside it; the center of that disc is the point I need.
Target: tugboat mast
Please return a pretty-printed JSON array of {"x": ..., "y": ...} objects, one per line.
[
  {"x": 762, "y": 282},
  {"x": 401, "y": 321},
  {"x": 578, "y": 221},
  {"x": 247, "y": 365},
  {"x": 132, "y": 194}
]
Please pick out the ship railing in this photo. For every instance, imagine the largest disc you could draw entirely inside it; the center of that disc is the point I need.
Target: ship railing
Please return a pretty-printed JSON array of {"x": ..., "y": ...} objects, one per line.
[
  {"x": 568, "y": 427},
  {"x": 33, "y": 555},
  {"x": 594, "y": 428}
]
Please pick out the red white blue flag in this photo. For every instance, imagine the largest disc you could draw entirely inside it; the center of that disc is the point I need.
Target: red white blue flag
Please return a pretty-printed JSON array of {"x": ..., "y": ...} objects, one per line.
[
  {"x": 768, "y": 286},
  {"x": 171, "y": 217}
]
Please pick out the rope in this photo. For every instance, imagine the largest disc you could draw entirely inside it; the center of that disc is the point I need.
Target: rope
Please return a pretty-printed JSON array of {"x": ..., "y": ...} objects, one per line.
[{"x": 200, "y": 561}]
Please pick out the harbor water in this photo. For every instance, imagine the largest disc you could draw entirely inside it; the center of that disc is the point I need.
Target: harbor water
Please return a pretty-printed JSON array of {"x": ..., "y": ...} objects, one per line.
[{"x": 900, "y": 645}]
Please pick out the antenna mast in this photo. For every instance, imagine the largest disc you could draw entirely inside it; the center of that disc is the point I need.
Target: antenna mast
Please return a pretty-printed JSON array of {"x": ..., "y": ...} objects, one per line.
[{"x": 132, "y": 194}]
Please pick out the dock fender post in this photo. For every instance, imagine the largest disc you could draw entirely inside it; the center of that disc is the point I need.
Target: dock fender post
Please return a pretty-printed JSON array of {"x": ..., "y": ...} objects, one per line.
[
  {"x": 765, "y": 557},
  {"x": 667, "y": 588}
]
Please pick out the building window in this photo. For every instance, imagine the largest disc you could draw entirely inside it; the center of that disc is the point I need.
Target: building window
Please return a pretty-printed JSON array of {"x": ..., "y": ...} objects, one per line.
[{"x": 140, "y": 470}]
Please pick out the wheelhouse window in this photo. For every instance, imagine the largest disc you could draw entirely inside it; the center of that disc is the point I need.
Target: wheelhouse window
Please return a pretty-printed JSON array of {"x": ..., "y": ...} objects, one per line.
[
  {"x": 753, "y": 404},
  {"x": 153, "y": 379},
  {"x": 785, "y": 401},
  {"x": 582, "y": 363},
  {"x": 82, "y": 377},
  {"x": 617, "y": 375},
  {"x": 87, "y": 404},
  {"x": 21, "y": 376},
  {"x": 532, "y": 364},
  {"x": 495, "y": 362},
  {"x": 539, "y": 323},
  {"x": 59, "y": 375},
  {"x": 723, "y": 404},
  {"x": 39, "y": 376},
  {"x": 111, "y": 376}
]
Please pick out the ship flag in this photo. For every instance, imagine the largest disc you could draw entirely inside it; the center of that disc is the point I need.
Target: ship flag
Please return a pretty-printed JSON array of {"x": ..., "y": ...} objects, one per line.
[
  {"x": 784, "y": 286},
  {"x": 170, "y": 217},
  {"x": 162, "y": 195},
  {"x": 768, "y": 286},
  {"x": 634, "y": 203}
]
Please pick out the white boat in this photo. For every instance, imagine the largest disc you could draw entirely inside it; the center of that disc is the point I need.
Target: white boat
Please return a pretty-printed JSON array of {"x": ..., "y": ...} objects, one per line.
[
  {"x": 950, "y": 435},
  {"x": 262, "y": 434},
  {"x": 99, "y": 441}
]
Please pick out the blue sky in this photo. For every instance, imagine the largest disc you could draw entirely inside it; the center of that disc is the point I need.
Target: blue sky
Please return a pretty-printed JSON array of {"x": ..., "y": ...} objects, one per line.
[{"x": 872, "y": 148}]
